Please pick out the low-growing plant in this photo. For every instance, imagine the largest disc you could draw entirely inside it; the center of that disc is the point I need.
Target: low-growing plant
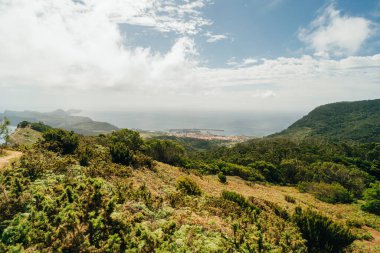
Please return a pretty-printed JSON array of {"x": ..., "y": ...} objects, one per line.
[
  {"x": 188, "y": 186},
  {"x": 239, "y": 199},
  {"x": 290, "y": 199},
  {"x": 222, "y": 178},
  {"x": 322, "y": 233}
]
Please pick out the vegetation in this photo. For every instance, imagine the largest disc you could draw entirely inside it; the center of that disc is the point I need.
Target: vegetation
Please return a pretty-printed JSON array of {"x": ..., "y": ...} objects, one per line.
[
  {"x": 4, "y": 132},
  {"x": 239, "y": 199},
  {"x": 37, "y": 126},
  {"x": 60, "y": 141},
  {"x": 61, "y": 119},
  {"x": 372, "y": 199},
  {"x": 222, "y": 178},
  {"x": 359, "y": 121},
  {"x": 321, "y": 233},
  {"x": 290, "y": 199},
  {"x": 330, "y": 193},
  {"x": 188, "y": 186},
  {"x": 166, "y": 151},
  {"x": 115, "y": 193}
]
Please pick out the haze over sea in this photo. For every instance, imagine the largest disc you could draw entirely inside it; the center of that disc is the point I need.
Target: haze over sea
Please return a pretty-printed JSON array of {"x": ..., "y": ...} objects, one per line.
[{"x": 233, "y": 123}]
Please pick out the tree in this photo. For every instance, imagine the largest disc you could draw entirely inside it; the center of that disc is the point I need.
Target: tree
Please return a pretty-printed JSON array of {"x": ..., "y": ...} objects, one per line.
[
  {"x": 270, "y": 171},
  {"x": 4, "y": 131},
  {"x": 372, "y": 199},
  {"x": 166, "y": 151},
  {"x": 130, "y": 138}
]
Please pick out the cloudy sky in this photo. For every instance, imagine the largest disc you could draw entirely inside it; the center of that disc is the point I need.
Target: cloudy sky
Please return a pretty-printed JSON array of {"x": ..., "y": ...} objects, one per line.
[{"x": 259, "y": 55}]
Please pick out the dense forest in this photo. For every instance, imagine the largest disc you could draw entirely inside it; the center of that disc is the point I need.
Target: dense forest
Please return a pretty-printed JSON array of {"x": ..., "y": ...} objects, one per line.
[
  {"x": 119, "y": 192},
  {"x": 358, "y": 121}
]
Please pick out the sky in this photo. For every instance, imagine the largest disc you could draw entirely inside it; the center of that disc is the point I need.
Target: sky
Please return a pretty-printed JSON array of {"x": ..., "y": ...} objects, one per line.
[{"x": 240, "y": 55}]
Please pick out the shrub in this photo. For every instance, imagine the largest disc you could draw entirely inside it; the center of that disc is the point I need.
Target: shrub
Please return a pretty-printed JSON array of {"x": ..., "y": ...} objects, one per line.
[
  {"x": 166, "y": 151},
  {"x": 222, "y": 178},
  {"x": 352, "y": 179},
  {"x": 322, "y": 233},
  {"x": 244, "y": 172},
  {"x": 85, "y": 156},
  {"x": 330, "y": 193},
  {"x": 372, "y": 199},
  {"x": 270, "y": 172},
  {"x": 121, "y": 153},
  {"x": 40, "y": 127},
  {"x": 238, "y": 199},
  {"x": 61, "y": 141},
  {"x": 140, "y": 160},
  {"x": 290, "y": 199},
  {"x": 23, "y": 124},
  {"x": 188, "y": 186},
  {"x": 295, "y": 171},
  {"x": 130, "y": 138}
]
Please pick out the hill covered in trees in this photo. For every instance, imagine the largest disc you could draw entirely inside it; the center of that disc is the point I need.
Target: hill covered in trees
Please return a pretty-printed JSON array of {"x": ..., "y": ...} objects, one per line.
[{"x": 358, "y": 121}]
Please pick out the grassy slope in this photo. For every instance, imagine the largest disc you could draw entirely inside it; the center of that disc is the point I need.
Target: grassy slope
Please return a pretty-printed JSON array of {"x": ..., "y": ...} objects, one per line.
[
  {"x": 164, "y": 180},
  {"x": 358, "y": 121},
  {"x": 24, "y": 136}
]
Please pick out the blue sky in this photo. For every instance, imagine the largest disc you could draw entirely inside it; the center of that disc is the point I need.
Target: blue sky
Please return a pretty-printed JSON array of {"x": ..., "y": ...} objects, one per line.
[
  {"x": 276, "y": 55},
  {"x": 258, "y": 29}
]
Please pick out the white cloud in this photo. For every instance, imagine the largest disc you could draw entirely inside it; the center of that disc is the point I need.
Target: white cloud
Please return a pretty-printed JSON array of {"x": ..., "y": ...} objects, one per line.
[
  {"x": 332, "y": 33},
  {"x": 211, "y": 38},
  {"x": 50, "y": 50},
  {"x": 232, "y": 61},
  {"x": 63, "y": 43},
  {"x": 244, "y": 63}
]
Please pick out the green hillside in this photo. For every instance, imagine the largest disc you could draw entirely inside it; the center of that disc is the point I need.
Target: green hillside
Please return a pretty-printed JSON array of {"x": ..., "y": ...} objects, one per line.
[
  {"x": 121, "y": 193},
  {"x": 61, "y": 119},
  {"x": 358, "y": 121}
]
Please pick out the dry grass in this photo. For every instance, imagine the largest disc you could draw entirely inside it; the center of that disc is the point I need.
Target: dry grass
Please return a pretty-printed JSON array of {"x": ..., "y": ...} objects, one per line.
[
  {"x": 24, "y": 136},
  {"x": 164, "y": 179},
  {"x": 9, "y": 157}
]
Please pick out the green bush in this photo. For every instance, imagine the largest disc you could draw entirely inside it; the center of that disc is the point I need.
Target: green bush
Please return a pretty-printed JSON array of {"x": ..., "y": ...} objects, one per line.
[
  {"x": 350, "y": 178},
  {"x": 85, "y": 156},
  {"x": 188, "y": 186},
  {"x": 330, "y": 193},
  {"x": 372, "y": 199},
  {"x": 121, "y": 154},
  {"x": 290, "y": 199},
  {"x": 166, "y": 151},
  {"x": 239, "y": 199},
  {"x": 244, "y": 172},
  {"x": 37, "y": 126},
  {"x": 222, "y": 178},
  {"x": 322, "y": 233},
  {"x": 130, "y": 138},
  {"x": 270, "y": 172},
  {"x": 61, "y": 141}
]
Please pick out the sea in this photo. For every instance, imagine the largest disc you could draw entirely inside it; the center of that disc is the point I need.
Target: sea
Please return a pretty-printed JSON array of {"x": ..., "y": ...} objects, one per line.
[
  {"x": 11, "y": 129},
  {"x": 253, "y": 124}
]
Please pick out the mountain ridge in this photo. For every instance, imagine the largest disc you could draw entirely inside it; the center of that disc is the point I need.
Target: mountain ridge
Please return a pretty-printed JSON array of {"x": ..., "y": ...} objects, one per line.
[
  {"x": 356, "y": 121},
  {"x": 61, "y": 119}
]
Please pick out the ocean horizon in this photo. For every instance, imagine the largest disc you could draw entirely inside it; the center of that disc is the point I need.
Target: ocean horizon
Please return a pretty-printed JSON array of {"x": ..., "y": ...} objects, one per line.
[{"x": 232, "y": 123}]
